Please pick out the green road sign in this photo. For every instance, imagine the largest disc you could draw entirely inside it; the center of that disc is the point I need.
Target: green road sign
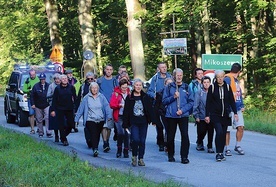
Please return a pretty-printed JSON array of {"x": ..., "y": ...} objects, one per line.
[{"x": 219, "y": 61}]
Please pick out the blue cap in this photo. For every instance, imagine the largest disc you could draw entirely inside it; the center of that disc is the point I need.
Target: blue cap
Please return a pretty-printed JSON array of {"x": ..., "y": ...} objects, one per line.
[{"x": 42, "y": 76}]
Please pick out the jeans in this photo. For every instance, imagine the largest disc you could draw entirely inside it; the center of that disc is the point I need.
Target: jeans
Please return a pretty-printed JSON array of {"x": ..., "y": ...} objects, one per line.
[
  {"x": 122, "y": 135},
  {"x": 138, "y": 137},
  {"x": 185, "y": 142}
]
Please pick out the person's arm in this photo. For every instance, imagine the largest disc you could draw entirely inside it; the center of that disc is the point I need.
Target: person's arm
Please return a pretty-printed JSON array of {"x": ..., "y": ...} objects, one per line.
[
  {"x": 167, "y": 97},
  {"x": 152, "y": 88},
  {"x": 80, "y": 110},
  {"x": 114, "y": 101},
  {"x": 79, "y": 97},
  {"x": 126, "y": 113},
  {"x": 208, "y": 104},
  {"x": 196, "y": 111},
  {"x": 32, "y": 95},
  {"x": 232, "y": 101},
  {"x": 190, "y": 103},
  {"x": 108, "y": 111}
]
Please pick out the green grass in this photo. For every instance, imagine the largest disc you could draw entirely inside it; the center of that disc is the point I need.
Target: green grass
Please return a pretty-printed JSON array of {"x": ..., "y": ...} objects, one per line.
[
  {"x": 27, "y": 163},
  {"x": 260, "y": 121}
]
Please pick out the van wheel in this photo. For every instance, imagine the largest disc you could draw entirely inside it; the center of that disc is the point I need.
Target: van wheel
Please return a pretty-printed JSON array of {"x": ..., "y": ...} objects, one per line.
[
  {"x": 22, "y": 118},
  {"x": 9, "y": 118}
]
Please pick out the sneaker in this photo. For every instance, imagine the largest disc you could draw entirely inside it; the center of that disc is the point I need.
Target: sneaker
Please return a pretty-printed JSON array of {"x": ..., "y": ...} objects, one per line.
[
  {"x": 95, "y": 153},
  {"x": 141, "y": 162},
  {"x": 40, "y": 136},
  {"x": 239, "y": 150},
  {"x": 76, "y": 129},
  {"x": 185, "y": 161},
  {"x": 228, "y": 152},
  {"x": 134, "y": 161},
  {"x": 218, "y": 157},
  {"x": 222, "y": 157},
  {"x": 171, "y": 159},
  {"x": 210, "y": 150},
  {"x": 106, "y": 147},
  {"x": 200, "y": 147},
  {"x": 161, "y": 148}
]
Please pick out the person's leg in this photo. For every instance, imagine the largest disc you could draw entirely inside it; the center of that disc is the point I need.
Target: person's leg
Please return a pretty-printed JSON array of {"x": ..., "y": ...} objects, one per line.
[
  {"x": 172, "y": 124},
  {"x": 201, "y": 132},
  {"x": 126, "y": 144},
  {"x": 134, "y": 145},
  {"x": 120, "y": 136},
  {"x": 46, "y": 119},
  {"x": 185, "y": 142},
  {"x": 239, "y": 134},
  {"x": 219, "y": 137},
  {"x": 69, "y": 114},
  {"x": 159, "y": 131},
  {"x": 164, "y": 122},
  {"x": 227, "y": 142},
  {"x": 31, "y": 116},
  {"x": 39, "y": 121},
  {"x": 105, "y": 140},
  {"x": 143, "y": 130},
  {"x": 210, "y": 130},
  {"x": 61, "y": 126}
]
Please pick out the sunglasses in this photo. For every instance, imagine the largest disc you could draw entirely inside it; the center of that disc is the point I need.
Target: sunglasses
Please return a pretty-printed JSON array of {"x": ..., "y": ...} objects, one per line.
[{"x": 90, "y": 79}]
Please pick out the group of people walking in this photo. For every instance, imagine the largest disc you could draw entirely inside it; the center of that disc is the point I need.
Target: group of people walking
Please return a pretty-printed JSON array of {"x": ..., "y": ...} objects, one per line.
[{"x": 115, "y": 102}]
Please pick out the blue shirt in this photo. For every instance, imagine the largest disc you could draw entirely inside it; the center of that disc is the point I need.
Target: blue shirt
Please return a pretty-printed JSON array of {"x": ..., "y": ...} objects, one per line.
[{"x": 107, "y": 86}]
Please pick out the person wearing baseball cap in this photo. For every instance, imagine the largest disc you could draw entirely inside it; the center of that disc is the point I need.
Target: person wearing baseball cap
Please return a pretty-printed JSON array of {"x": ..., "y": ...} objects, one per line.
[{"x": 39, "y": 103}]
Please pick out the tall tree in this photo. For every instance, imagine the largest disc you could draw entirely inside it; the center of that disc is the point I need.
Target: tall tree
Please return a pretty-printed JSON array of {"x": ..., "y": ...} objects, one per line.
[
  {"x": 135, "y": 38},
  {"x": 87, "y": 34}
]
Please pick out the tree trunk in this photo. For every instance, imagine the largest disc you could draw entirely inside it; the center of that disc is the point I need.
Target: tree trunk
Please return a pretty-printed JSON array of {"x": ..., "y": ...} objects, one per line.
[
  {"x": 53, "y": 23},
  {"x": 205, "y": 22},
  {"x": 87, "y": 35},
  {"x": 135, "y": 39}
]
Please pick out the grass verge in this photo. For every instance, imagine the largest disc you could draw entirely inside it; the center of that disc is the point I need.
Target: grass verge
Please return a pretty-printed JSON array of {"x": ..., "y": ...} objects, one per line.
[
  {"x": 260, "y": 121},
  {"x": 25, "y": 162}
]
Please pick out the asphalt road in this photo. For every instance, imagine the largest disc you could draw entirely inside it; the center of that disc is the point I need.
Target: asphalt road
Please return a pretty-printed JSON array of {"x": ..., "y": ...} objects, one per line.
[{"x": 256, "y": 168}]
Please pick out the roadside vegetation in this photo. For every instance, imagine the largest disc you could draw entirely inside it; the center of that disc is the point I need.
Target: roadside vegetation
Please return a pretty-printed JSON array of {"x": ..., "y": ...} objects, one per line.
[
  {"x": 25, "y": 162},
  {"x": 260, "y": 121}
]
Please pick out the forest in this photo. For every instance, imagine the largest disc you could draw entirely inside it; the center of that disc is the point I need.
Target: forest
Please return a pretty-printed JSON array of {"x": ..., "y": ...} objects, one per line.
[{"x": 129, "y": 32}]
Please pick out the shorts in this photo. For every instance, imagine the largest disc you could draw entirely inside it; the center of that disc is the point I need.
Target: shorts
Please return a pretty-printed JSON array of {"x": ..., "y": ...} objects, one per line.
[
  {"x": 31, "y": 110},
  {"x": 109, "y": 124},
  {"x": 239, "y": 123}
]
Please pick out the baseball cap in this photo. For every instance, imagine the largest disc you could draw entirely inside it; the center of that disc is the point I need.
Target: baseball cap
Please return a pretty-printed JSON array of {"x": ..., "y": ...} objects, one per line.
[{"x": 42, "y": 76}]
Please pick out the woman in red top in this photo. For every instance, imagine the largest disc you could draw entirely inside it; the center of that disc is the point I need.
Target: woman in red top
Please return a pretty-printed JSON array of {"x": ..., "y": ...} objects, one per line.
[{"x": 117, "y": 103}]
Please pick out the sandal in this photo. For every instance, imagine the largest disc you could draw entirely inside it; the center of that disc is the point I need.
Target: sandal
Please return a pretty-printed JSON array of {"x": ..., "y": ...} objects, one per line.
[{"x": 32, "y": 132}]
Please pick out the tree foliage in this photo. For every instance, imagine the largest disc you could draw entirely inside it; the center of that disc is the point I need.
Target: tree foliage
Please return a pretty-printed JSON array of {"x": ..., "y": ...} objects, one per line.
[{"x": 235, "y": 27}]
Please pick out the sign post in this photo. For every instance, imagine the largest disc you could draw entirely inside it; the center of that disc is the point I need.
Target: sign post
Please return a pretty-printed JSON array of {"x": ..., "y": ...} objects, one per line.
[{"x": 175, "y": 45}]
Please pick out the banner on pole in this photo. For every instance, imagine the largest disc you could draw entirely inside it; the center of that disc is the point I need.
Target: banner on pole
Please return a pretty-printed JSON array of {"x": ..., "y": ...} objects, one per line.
[{"x": 175, "y": 46}]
